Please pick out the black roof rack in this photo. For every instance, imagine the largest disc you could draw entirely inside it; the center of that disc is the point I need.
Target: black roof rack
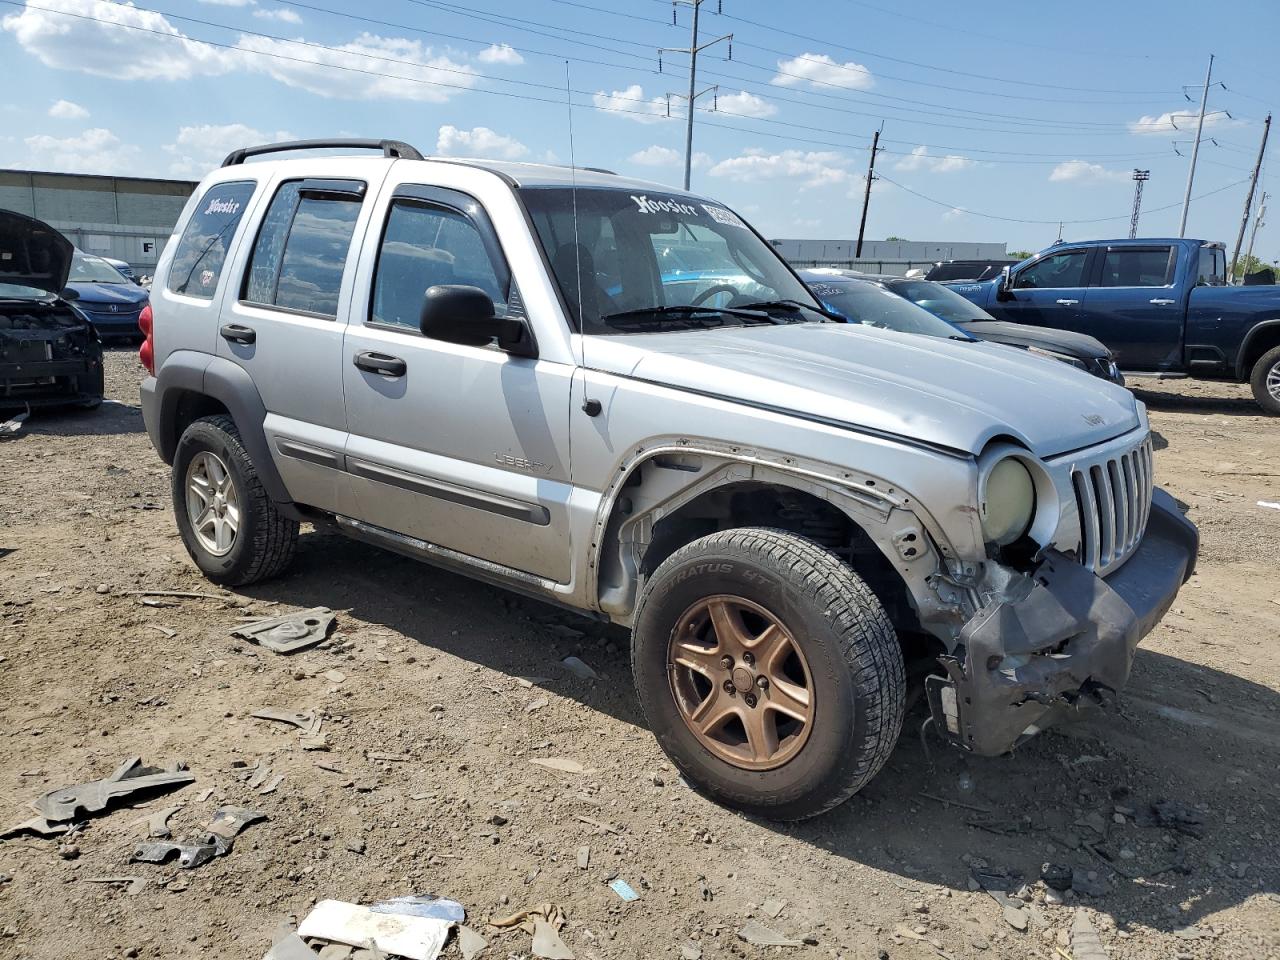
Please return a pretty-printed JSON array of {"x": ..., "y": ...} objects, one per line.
[{"x": 389, "y": 148}]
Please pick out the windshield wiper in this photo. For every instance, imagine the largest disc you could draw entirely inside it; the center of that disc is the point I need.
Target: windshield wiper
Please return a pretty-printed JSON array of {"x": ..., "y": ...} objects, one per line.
[
  {"x": 690, "y": 314},
  {"x": 795, "y": 306}
]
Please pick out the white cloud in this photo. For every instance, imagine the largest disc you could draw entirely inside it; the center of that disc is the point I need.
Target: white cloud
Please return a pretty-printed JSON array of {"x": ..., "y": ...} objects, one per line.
[
  {"x": 96, "y": 150},
  {"x": 230, "y": 3},
  {"x": 1080, "y": 171},
  {"x": 66, "y": 110},
  {"x": 819, "y": 70},
  {"x": 198, "y": 149},
  {"x": 812, "y": 169},
  {"x": 478, "y": 142},
  {"x": 955, "y": 212},
  {"x": 280, "y": 15},
  {"x": 656, "y": 156},
  {"x": 1176, "y": 122},
  {"x": 630, "y": 103},
  {"x": 503, "y": 54},
  {"x": 745, "y": 105},
  {"x": 362, "y": 63},
  {"x": 919, "y": 159},
  {"x": 96, "y": 40}
]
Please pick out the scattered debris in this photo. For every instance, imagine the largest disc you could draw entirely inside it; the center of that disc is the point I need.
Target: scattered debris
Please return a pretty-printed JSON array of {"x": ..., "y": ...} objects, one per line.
[
  {"x": 133, "y": 885},
  {"x": 773, "y": 908},
  {"x": 584, "y": 857},
  {"x": 413, "y": 937},
  {"x": 12, "y": 427},
  {"x": 177, "y": 595},
  {"x": 690, "y": 951},
  {"x": 272, "y": 785},
  {"x": 334, "y": 676},
  {"x": 998, "y": 886},
  {"x": 1269, "y": 504},
  {"x": 559, "y": 763},
  {"x": 290, "y": 632},
  {"x": 129, "y": 778},
  {"x": 536, "y": 705},
  {"x": 470, "y": 943},
  {"x": 547, "y": 942},
  {"x": 229, "y": 821},
  {"x": 1191, "y": 933},
  {"x": 598, "y": 825},
  {"x": 226, "y": 824},
  {"x": 524, "y": 919},
  {"x": 290, "y": 947},
  {"x": 948, "y": 802},
  {"x": 580, "y": 669},
  {"x": 1056, "y": 876},
  {"x": 423, "y": 905},
  {"x": 158, "y": 822},
  {"x": 1085, "y": 943},
  {"x": 308, "y": 722},
  {"x": 623, "y": 889},
  {"x": 39, "y": 826},
  {"x": 1173, "y": 815},
  {"x": 759, "y": 935}
]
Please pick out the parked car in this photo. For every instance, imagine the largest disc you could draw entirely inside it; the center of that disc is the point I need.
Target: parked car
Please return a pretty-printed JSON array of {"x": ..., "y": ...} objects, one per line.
[
  {"x": 477, "y": 364},
  {"x": 49, "y": 351},
  {"x": 967, "y": 269},
  {"x": 123, "y": 268},
  {"x": 105, "y": 296},
  {"x": 859, "y": 297},
  {"x": 1162, "y": 306}
]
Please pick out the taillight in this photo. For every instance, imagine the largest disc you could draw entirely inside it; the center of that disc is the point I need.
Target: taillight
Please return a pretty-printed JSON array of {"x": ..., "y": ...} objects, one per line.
[{"x": 147, "y": 352}]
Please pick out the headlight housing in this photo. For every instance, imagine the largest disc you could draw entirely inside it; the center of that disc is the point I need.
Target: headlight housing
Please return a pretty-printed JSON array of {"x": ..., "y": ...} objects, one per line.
[{"x": 1007, "y": 501}]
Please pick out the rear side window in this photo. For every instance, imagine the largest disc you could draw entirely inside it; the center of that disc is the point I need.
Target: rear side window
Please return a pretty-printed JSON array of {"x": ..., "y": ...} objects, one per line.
[
  {"x": 1213, "y": 268},
  {"x": 1152, "y": 267},
  {"x": 302, "y": 247},
  {"x": 202, "y": 251}
]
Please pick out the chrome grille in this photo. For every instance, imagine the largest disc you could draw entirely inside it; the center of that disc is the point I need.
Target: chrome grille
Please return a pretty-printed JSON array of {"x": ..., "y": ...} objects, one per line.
[{"x": 1114, "y": 499}]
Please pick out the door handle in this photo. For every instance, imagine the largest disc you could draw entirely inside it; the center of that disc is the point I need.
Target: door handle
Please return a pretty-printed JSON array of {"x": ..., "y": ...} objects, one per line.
[
  {"x": 235, "y": 333},
  {"x": 380, "y": 363},
  {"x": 1067, "y": 303},
  {"x": 1163, "y": 302}
]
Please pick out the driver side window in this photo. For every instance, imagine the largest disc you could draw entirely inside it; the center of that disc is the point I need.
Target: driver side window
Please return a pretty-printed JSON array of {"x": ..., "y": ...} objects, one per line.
[
  {"x": 1055, "y": 272},
  {"x": 424, "y": 246}
]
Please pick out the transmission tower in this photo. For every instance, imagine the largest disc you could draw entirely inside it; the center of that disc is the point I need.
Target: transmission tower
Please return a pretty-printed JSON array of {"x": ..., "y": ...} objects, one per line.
[{"x": 1139, "y": 178}]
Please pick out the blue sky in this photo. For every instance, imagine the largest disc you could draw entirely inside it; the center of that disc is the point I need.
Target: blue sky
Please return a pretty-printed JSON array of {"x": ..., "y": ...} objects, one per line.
[{"x": 1036, "y": 112}]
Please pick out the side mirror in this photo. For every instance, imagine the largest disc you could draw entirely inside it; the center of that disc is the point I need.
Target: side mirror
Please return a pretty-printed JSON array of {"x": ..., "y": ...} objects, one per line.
[
  {"x": 1004, "y": 284},
  {"x": 70, "y": 293},
  {"x": 463, "y": 314}
]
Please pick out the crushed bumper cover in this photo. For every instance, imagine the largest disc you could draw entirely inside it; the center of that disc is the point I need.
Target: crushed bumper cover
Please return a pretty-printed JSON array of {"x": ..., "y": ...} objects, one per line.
[{"x": 1064, "y": 639}]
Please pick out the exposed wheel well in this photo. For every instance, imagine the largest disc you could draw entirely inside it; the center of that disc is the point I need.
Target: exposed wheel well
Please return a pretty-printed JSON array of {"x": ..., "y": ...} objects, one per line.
[
  {"x": 190, "y": 407},
  {"x": 756, "y": 504},
  {"x": 1266, "y": 339}
]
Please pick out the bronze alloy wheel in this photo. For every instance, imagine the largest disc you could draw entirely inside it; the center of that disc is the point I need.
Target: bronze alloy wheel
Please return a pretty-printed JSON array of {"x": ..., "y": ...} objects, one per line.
[{"x": 741, "y": 682}]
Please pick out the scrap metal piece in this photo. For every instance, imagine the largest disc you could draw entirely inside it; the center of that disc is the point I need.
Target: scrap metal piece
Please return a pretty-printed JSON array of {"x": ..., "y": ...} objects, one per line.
[
  {"x": 423, "y": 905},
  {"x": 158, "y": 822},
  {"x": 308, "y": 722},
  {"x": 228, "y": 821},
  {"x": 290, "y": 632},
  {"x": 37, "y": 825},
  {"x": 757, "y": 934},
  {"x": 191, "y": 854},
  {"x": 93, "y": 797}
]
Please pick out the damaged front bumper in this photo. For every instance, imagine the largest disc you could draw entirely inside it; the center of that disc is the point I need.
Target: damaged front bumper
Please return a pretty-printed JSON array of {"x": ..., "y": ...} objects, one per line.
[{"x": 1059, "y": 639}]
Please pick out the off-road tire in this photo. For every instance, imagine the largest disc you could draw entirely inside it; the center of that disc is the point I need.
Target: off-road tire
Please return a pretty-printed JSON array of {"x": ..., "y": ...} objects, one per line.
[
  {"x": 853, "y": 654},
  {"x": 266, "y": 540},
  {"x": 1267, "y": 363}
]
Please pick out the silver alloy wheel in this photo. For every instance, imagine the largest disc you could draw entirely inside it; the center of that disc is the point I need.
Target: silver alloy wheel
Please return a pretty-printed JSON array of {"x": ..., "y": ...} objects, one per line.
[
  {"x": 213, "y": 506},
  {"x": 1273, "y": 380}
]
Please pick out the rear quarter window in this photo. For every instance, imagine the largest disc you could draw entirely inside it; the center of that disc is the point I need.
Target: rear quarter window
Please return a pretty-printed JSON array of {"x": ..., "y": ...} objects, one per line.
[{"x": 202, "y": 250}]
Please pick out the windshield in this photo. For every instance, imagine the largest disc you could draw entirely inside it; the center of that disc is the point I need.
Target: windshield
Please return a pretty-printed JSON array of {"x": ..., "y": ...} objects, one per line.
[
  {"x": 939, "y": 300},
  {"x": 873, "y": 305},
  {"x": 87, "y": 269},
  {"x": 20, "y": 291},
  {"x": 651, "y": 256}
]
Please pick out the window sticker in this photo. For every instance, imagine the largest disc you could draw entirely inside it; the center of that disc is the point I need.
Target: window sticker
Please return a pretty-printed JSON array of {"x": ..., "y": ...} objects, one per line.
[{"x": 721, "y": 215}]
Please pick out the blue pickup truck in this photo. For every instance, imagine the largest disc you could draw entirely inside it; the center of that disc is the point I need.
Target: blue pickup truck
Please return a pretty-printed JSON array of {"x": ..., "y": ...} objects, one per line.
[{"x": 1162, "y": 306}]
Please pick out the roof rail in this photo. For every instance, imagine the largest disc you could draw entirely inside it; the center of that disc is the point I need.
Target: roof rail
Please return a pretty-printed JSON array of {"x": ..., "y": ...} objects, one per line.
[{"x": 389, "y": 148}]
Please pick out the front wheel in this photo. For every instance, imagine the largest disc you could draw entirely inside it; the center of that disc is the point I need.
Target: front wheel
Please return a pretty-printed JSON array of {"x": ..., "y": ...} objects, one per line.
[
  {"x": 768, "y": 671},
  {"x": 1266, "y": 382}
]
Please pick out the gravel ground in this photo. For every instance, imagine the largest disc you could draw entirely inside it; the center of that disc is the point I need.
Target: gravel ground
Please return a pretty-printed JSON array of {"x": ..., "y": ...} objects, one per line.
[{"x": 446, "y": 692}]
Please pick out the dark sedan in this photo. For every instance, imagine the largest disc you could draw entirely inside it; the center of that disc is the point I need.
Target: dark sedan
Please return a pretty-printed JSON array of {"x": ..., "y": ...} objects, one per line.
[
  {"x": 858, "y": 297},
  {"x": 102, "y": 294}
]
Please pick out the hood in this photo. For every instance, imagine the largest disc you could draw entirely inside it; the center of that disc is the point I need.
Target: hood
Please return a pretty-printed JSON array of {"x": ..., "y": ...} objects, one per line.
[
  {"x": 33, "y": 254},
  {"x": 122, "y": 292},
  {"x": 1078, "y": 345},
  {"x": 946, "y": 393}
]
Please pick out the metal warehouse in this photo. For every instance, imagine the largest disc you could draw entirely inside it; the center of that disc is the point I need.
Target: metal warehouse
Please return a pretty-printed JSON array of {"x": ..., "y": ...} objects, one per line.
[
  {"x": 126, "y": 218},
  {"x": 884, "y": 256}
]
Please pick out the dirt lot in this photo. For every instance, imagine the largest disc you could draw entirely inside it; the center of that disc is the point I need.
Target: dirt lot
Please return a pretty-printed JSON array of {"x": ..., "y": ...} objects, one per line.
[{"x": 432, "y": 668}]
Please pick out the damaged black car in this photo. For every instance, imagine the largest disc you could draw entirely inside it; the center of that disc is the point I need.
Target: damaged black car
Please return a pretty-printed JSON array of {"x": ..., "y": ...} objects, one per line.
[{"x": 50, "y": 353}]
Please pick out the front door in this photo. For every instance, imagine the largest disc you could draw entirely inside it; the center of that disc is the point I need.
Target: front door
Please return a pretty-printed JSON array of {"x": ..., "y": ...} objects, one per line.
[
  {"x": 1133, "y": 306},
  {"x": 461, "y": 446},
  {"x": 1048, "y": 292}
]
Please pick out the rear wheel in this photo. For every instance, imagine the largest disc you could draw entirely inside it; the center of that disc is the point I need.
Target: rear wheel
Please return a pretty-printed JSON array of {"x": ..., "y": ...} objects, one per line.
[
  {"x": 768, "y": 672},
  {"x": 1266, "y": 381},
  {"x": 229, "y": 525}
]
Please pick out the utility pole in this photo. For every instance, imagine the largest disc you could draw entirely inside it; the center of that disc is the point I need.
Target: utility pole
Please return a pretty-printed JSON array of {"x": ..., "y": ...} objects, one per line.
[
  {"x": 1139, "y": 178},
  {"x": 1195, "y": 149},
  {"x": 1258, "y": 223},
  {"x": 866, "y": 196},
  {"x": 1248, "y": 203},
  {"x": 692, "y": 50}
]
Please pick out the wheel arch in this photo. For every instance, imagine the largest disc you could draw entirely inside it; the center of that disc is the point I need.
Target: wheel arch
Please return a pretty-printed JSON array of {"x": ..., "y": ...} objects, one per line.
[{"x": 1261, "y": 338}]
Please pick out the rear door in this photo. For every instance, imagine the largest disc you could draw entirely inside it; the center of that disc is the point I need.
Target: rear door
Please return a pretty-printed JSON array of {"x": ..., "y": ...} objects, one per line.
[
  {"x": 285, "y": 326},
  {"x": 464, "y": 447},
  {"x": 1047, "y": 292},
  {"x": 1134, "y": 305}
]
